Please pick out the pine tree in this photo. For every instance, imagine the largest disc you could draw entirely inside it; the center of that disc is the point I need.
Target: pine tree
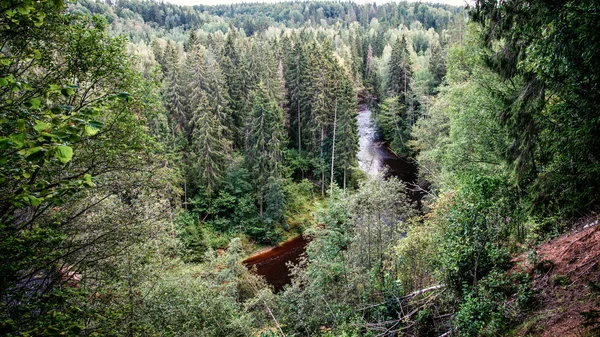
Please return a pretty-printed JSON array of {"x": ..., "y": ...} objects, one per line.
[
  {"x": 400, "y": 71},
  {"x": 192, "y": 41},
  {"x": 296, "y": 82},
  {"x": 347, "y": 135},
  {"x": 321, "y": 108},
  {"x": 392, "y": 120},
  {"x": 232, "y": 66},
  {"x": 437, "y": 65},
  {"x": 208, "y": 148},
  {"x": 218, "y": 98},
  {"x": 265, "y": 142},
  {"x": 197, "y": 84},
  {"x": 173, "y": 94}
]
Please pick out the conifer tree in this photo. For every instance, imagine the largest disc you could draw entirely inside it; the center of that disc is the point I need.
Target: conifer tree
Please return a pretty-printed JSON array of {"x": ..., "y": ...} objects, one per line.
[
  {"x": 173, "y": 95},
  {"x": 322, "y": 107},
  {"x": 218, "y": 98},
  {"x": 400, "y": 71},
  {"x": 192, "y": 41},
  {"x": 347, "y": 134},
  {"x": 208, "y": 148},
  {"x": 197, "y": 83},
  {"x": 437, "y": 65},
  {"x": 296, "y": 83},
  {"x": 264, "y": 142},
  {"x": 233, "y": 67}
]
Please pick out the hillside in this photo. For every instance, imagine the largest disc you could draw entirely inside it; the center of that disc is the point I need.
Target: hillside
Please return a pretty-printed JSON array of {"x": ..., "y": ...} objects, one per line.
[{"x": 562, "y": 271}]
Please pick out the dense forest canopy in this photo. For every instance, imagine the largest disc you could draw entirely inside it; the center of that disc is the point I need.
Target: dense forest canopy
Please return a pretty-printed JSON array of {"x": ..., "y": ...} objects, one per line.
[{"x": 147, "y": 149}]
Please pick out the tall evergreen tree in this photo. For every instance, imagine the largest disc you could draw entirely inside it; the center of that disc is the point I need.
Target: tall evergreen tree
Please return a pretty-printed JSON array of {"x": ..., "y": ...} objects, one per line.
[
  {"x": 347, "y": 134},
  {"x": 400, "y": 71},
  {"x": 437, "y": 66},
  {"x": 264, "y": 142},
  {"x": 296, "y": 83},
  {"x": 173, "y": 94},
  {"x": 209, "y": 149},
  {"x": 218, "y": 98},
  {"x": 197, "y": 83},
  {"x": 232, "y": 65}
]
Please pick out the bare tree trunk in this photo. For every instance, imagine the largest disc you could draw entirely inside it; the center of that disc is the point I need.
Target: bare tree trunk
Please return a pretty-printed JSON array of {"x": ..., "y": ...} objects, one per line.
[
  {"x": 299, "y": 134},
  {"x": 322, "y": 168}
]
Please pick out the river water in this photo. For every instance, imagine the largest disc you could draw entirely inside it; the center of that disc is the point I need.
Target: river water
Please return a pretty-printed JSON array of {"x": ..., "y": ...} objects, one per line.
[{"x": 374, "y": 156}]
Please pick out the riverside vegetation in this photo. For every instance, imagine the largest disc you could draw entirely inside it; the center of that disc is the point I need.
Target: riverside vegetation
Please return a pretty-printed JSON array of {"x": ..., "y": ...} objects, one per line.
[{"x": 147, "y": 148}]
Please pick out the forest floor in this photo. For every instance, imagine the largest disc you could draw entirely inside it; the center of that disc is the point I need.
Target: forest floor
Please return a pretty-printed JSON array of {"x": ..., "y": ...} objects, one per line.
[{"x": 561, "y": 274}]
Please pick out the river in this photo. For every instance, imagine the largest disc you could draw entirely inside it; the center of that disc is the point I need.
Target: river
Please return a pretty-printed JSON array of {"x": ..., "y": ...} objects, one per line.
[{"x": 374, "y": 156}]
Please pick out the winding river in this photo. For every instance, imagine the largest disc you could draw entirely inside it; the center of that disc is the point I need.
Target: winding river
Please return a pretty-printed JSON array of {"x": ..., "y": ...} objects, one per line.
[{"x": 374, "y": 156}]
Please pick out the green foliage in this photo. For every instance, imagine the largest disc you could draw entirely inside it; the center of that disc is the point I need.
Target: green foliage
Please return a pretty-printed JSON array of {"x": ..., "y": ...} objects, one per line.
[
  {"x": 264, "y": 157},
  {"x": 394, "y": 124},
  {"x": 487, "y": 310},
  {"x": 192, "y": 236},
  {"x": 544, "y": 54},
  {"x": 474, "y": 228}
]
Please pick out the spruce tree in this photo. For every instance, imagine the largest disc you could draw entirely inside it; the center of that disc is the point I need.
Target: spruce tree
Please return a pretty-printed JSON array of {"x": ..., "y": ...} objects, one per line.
[
  {"x": 347, "y": 134},
  {"x": 208, "y": 155},
  {"x": 297, "y": 88},
  {"x": 437, "y": 66},
  {"x": 232, "y": 66},
  {"x": 173, "y": 94},
  {"x": 264, "y": 143},
  {"x": 218, "y": 98},
  {"x": 400, "y": 71},
  {"x": 197, "y": 83}
]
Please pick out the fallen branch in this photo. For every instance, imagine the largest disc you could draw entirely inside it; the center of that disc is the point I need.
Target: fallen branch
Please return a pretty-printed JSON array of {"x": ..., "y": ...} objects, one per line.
[{"x": 419, "y": 292}]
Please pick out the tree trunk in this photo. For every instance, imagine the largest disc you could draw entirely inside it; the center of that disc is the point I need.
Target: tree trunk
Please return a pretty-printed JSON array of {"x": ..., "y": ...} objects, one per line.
[
  {"x": 322, "y": 168},
  {"x": 299, "y": 134}
]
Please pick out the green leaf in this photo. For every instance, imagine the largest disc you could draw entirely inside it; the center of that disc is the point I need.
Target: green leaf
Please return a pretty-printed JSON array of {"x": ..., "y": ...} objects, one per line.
[
  {"x": 87, "y": 179},
  {"x": 34, "y": 103},
  {"x": 64, "y": 153},
  {"x": 4, "y": 143},
  {"x": 18, "y": 139},
  {"x": 124, "y": 96},
  {"x": 35, "y": 201},
  {"x": 35, "y": 153},
  {"x": 23, "y": 10},
  {"x": 3, "y": 81},
  {"x": 41, "y": 126},
  {"x": 92, "y": 128},
  {"x": 68, "y": 92}
]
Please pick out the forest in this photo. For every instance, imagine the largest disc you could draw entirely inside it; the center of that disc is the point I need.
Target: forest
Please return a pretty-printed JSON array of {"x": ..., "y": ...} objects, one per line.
[{"x": 432, "y": 158}]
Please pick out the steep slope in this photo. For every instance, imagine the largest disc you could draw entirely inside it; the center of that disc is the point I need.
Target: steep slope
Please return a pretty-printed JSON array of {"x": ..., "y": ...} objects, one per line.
[{"x": 561, "y": 273}]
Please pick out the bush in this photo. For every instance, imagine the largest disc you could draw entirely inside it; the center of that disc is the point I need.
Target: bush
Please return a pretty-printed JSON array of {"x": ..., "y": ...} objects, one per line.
[{"x": 498, "y": 302}]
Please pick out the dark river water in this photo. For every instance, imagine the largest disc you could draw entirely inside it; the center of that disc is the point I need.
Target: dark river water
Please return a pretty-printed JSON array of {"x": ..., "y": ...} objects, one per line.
[
  {"x": 272, "y": 264},
  {"x": 374, "y": 156}
]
